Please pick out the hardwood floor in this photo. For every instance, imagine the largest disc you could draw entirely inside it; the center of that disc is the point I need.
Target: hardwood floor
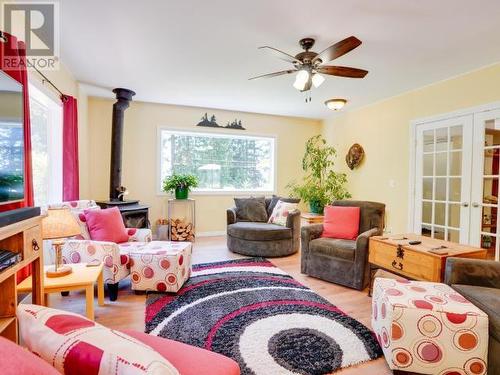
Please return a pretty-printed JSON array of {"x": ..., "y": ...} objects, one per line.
[{"x": 128, "y": 310}]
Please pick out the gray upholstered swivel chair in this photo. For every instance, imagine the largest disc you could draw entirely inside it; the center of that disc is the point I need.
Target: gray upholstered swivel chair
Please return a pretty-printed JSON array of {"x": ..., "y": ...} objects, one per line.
[
  {"x": 479, "y": 281},
  {"x": 340, "y": 261},
  {"x": 263, "y": 239}
]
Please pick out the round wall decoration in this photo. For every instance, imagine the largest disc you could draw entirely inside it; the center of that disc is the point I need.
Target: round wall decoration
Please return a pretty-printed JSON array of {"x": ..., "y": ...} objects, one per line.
[{"x": 354, "y": 156}]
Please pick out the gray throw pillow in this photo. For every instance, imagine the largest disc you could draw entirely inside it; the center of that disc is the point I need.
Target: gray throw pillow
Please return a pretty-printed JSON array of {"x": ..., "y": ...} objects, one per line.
[
  {"x": 251, "y": 209},
  {"x": 275, "y": 200}
]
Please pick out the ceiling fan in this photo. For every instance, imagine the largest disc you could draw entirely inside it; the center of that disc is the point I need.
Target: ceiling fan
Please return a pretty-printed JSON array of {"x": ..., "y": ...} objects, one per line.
[{"x": 310, "y": 65}]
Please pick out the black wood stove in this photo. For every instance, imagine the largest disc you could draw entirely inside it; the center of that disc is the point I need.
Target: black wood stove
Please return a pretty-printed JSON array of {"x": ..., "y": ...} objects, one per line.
[{"x": 135, "y": 215}]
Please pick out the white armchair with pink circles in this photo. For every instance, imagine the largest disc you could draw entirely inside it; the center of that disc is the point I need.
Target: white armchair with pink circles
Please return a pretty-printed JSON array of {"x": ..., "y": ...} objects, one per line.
[{"x": 115, "y": 256}]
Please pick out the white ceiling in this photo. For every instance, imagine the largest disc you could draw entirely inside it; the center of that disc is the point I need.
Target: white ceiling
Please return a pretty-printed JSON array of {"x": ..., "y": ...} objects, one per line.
[{"x": 201, "y": 53}]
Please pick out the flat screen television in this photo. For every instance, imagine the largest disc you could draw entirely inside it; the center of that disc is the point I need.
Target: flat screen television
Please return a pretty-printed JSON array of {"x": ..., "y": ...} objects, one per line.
[{"x": 11, "y": 140}]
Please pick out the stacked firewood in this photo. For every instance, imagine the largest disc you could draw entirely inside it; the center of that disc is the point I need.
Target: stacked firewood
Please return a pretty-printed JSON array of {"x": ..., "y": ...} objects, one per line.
[{"x": 181, "y": 230}]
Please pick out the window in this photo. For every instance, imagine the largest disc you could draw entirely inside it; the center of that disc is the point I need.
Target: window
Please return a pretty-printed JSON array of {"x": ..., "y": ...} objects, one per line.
[
  {"x": 222, "y": 162},
  {"x": 46, "y": 147},
  {"x": 11, "y": 160}
]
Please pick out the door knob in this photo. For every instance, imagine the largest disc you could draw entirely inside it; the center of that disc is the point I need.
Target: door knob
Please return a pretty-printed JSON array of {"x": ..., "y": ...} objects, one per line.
[
  {"x": 475, "y": 204},
  {"x": 465, "y": 204}
]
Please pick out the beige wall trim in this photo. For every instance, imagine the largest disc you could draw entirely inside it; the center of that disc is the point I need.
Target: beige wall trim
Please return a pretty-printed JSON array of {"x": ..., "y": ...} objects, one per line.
[{"x": 214, "y": 233}]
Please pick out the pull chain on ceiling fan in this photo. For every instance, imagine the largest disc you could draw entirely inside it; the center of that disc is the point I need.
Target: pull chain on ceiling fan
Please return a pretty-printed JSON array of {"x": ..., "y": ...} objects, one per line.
[{"x": 310, "y": 67}]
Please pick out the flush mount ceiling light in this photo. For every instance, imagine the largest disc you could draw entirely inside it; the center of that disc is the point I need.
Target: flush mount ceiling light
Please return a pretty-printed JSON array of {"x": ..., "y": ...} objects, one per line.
[{"x": 335, "y": 104}]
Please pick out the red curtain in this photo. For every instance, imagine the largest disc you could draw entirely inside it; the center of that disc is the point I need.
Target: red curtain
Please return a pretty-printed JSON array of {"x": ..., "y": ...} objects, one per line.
[
  {"x": 13, "y": 62},
  {"x": 71, "y": 190}
]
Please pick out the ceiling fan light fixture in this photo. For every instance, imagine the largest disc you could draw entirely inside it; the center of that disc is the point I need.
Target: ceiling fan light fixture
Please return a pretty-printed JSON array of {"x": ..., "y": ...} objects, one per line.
[
  {"x": 335, "y": 104},
  {"x": 317, "y": 80},
  {"x": 301, "y": 79}
]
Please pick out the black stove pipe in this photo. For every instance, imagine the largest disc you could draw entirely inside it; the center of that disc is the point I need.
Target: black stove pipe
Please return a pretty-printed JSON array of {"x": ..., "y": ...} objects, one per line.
[{"x": 123, "y": 96}]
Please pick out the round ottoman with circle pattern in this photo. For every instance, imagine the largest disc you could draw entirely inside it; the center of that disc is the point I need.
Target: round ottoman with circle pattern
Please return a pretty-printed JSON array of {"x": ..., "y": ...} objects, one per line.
[
  {"x": 429, "y": 328},
  {"x": 160, "y": 266}
]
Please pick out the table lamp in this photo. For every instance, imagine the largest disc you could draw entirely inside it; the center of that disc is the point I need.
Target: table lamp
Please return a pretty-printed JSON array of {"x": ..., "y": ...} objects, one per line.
[{"x": 56, "y": 226}]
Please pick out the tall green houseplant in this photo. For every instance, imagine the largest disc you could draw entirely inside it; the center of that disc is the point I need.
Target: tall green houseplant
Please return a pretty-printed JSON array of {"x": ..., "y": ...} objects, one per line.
[{"x": 321, "y": 185}]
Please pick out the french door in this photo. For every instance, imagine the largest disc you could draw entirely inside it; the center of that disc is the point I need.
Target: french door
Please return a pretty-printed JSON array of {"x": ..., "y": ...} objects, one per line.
[
  {"x": 484, "y": 230},
  {"x": 457, "y": 171},
  {"x": 443, "y": 178}
]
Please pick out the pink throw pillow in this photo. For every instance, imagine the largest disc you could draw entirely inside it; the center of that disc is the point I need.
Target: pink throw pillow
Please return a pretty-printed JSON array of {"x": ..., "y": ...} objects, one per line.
[
  {"x": 106, "y": 225},
  {"x": 75, "y": 345},
  {"x": 341, "y": 222},
  {"x": 16, "y": 360}
]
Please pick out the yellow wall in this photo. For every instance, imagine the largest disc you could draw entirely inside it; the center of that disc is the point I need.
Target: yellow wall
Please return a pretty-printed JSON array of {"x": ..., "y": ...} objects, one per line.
[
  {"x": 140, "y": 152},
  {"x": 383, "y": 129},
  {"x": 61, "y": 77},
  {"x": 11, "y": 105}
]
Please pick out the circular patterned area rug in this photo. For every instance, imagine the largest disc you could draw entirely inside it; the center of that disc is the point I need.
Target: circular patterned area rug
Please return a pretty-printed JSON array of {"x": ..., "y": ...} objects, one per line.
[{"x": 255, "y": 313}]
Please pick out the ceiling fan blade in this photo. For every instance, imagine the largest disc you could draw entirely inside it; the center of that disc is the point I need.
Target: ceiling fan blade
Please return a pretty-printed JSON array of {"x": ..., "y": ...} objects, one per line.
[
  {"x": 281, "y": 55},
  {"x": 342, "y": 71},
  {"x": 338, "y": 49},
  {"x": 275, "y": 74}
]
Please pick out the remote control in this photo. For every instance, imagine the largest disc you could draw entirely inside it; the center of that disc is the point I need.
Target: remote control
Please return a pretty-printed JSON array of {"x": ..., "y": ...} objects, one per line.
[{"x": 415, "y": 242}]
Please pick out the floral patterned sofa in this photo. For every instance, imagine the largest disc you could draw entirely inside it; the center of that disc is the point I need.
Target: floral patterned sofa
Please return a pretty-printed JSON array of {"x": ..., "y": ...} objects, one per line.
[{"x": 82, "y": 249}]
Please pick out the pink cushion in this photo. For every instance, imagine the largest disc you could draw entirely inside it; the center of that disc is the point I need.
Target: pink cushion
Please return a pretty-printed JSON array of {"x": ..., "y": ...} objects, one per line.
[
  {"x": 75, "y": 345},
  {"x": 106, "y": 225},
  {"x": 341, "y": 222},
  {"x": 187, "y": 359},
  {"x": 15, "y": 360}
]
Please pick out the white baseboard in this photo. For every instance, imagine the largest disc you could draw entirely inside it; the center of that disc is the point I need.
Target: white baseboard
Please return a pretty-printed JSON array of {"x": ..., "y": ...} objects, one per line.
[{"x": 214, "y": 233}]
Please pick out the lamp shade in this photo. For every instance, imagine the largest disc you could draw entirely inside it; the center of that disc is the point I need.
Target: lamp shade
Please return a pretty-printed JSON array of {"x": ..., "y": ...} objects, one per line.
[
  {"x": 317, "y": 79},
  {"x": 59, "y": 223},
  {"x": 301, "y": 79}
]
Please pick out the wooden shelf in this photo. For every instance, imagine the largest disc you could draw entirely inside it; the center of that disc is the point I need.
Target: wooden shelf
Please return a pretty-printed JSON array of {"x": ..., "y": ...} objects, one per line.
[
  {"x": 13, "y": 269},
  {"x": 8, "y": 328},
  {"x": 5, "y": 322},
  {"x": 25, "y": 238}
]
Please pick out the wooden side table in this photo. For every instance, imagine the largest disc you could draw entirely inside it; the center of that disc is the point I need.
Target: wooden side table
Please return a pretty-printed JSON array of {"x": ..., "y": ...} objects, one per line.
[
  {"x": 310, "y": 218},
  {"x": 425, "y": 261},
  {"x": 82, "y": 277}
]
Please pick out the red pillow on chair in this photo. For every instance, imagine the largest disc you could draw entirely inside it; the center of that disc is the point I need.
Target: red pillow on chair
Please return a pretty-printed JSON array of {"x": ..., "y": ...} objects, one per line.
[
  {"x": 106, "y": 225},
  {"x": 341, "y": 222}
]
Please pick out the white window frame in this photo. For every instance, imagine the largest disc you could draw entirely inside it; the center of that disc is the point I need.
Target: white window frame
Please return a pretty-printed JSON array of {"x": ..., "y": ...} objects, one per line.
[
  {"x": 222, "y": 134},
  {"x": 55, "y": 139}
]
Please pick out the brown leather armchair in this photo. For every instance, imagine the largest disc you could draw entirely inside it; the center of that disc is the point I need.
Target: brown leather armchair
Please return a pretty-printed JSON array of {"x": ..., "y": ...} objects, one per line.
[
  {"x": 343, "y": 262},
  {"x": 479, "y": 281},
  {"x": 261, "y": 239}
]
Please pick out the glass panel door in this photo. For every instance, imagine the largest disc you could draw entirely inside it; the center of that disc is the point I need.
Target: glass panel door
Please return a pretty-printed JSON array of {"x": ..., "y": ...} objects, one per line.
[
  {"x": 484, "y": 229},
  {"x": 443, "y": 168}
]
